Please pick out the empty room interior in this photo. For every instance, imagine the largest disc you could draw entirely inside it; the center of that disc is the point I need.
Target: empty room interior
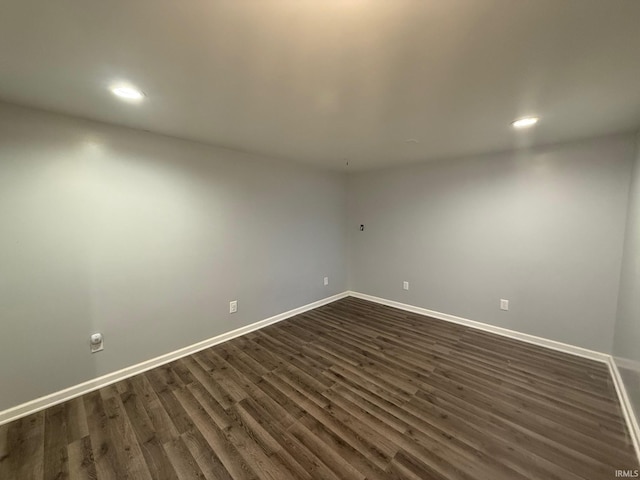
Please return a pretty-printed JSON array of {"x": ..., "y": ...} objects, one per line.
[{"x": 320, "y": 239}]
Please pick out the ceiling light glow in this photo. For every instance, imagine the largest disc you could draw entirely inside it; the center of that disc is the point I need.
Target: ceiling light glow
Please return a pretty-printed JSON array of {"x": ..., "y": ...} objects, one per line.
[
  {"x": 128, "y": 93},
  {"x": 525, "y": 122}
]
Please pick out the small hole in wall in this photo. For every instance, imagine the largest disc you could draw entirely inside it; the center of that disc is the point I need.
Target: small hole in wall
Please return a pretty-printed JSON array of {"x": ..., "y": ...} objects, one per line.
[{"x": 361, "y": 227}]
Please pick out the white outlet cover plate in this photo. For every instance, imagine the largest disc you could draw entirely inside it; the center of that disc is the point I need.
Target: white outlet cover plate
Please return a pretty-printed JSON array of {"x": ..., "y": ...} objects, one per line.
[{"x": 233, "y": 306}]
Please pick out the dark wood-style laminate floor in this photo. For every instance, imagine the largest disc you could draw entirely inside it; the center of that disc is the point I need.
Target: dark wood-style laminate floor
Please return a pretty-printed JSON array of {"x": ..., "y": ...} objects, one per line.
[{"x": 350, "y": 390}]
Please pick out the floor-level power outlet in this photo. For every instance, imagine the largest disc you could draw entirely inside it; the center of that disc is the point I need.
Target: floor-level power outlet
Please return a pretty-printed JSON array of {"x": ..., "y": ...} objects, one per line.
[
  {"x": 96, "y": 342},
  {"x": 233, "y": 306}
]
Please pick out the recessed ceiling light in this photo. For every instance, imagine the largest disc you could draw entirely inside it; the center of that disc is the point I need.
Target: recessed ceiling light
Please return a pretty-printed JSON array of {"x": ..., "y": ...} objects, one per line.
[
  {"x": 128, "y": 93},
  {"x": 525, "y": 122}
]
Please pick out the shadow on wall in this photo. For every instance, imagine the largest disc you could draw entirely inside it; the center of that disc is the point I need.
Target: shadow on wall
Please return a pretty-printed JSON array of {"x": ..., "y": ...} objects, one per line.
[{"x": 626, "y": 348}]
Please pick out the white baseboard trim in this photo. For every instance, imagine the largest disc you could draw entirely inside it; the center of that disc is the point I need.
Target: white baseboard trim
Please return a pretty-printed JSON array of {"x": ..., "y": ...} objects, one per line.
[
  {"x": 505, "y": 332},
  {"x": 625, "y": 403},
  {"x": 47, "y": 401}
]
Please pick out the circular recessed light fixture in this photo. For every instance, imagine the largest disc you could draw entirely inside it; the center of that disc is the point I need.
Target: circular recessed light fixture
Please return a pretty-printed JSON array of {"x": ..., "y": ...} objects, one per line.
[
  {"x": 127, "y": 93},
  {"x": 525, "y": 122}
]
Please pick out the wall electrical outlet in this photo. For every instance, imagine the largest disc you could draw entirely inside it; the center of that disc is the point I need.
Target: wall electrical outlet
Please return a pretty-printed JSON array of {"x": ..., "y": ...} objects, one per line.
[
  {"x": 504, "y": 304},
  {"x": 326, "y": 281},
  {"x": 233, "y": 306},
  {"x": 405, "y": 285},
  {"x": 96, "y": 342}
]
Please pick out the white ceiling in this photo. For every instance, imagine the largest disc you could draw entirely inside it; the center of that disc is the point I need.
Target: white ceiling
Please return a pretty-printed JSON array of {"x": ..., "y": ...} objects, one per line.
[{"x": 323, "y": 81}]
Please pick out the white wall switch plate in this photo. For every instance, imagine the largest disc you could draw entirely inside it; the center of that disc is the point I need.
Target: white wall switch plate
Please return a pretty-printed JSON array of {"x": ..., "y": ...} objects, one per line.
[
  {"x": 326, "y": 280},
  {"x": 233, "y": 306},
  {"x": 504, "y": 304},
  {"x": 405, "y": 285}
]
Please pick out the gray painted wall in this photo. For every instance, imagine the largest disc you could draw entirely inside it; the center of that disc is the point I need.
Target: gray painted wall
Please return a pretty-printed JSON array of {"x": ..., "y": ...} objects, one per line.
[
  {"x": 542, "y": 228},
  {"x": 626, "y": 346},
  {"x": 146, "y": 239}
]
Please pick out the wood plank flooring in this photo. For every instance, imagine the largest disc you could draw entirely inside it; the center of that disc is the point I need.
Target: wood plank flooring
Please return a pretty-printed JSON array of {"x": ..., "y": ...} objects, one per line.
[{"x": 351, "y": 390}]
